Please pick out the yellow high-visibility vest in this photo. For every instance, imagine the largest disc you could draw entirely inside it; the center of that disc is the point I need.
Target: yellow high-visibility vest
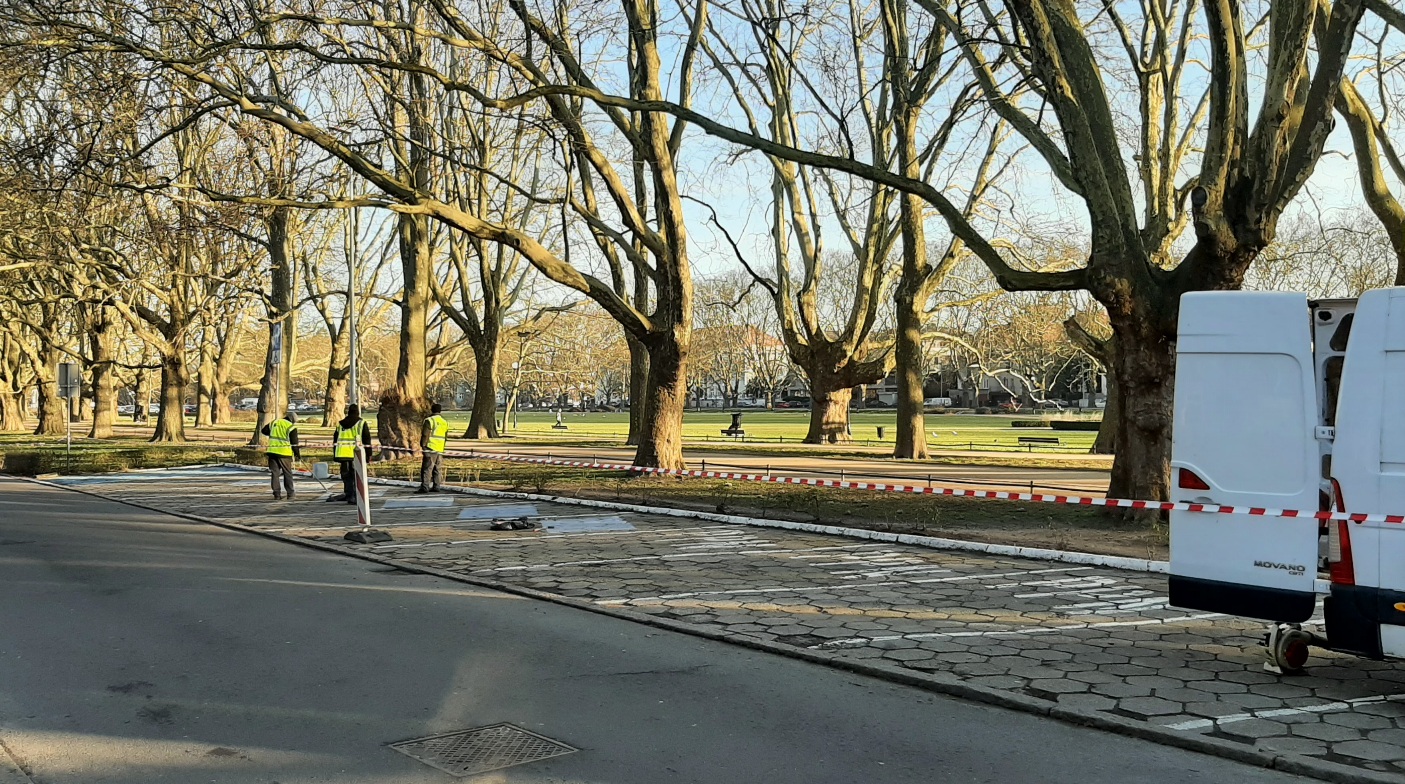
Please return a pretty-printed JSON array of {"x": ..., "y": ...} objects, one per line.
[
  {"x": 278, "y": 440},
  {"x": 347, "y": 439},
  {"x": 438, "y": 432}
]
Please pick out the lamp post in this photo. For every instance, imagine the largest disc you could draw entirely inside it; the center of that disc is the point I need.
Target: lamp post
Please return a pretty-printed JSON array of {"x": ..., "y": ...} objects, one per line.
[{"x": 353, "y": 227}]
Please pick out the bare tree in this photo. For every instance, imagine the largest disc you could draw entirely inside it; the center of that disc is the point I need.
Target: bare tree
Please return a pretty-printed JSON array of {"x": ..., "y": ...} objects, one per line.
[{"x": 1246, "y": 175}]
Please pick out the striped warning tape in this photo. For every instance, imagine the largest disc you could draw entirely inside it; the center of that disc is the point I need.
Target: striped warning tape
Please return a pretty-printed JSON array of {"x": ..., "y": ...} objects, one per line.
[{"x": 999, "y": 495}]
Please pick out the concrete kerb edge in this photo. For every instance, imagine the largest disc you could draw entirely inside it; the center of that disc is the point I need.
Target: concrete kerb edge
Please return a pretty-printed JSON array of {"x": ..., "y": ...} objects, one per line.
[{"x": 941, "y": 683}]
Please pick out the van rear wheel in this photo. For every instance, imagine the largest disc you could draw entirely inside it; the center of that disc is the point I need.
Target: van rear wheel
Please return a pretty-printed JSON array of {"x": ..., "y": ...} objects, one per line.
[{"x": 1288, "y": 649}]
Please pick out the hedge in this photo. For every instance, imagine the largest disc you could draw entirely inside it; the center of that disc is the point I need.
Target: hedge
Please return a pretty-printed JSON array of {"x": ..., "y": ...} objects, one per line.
[
  {"x": 32, "y": 462},
  {"x": 1075, "y": 424}
]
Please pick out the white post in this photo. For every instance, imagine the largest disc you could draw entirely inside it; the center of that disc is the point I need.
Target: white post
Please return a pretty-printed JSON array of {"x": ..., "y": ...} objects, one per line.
[{"x": 363, "y": 500}]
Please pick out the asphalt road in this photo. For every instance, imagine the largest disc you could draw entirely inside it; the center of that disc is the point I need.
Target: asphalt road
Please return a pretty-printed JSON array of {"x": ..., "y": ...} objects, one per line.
[{"x": 137, "y": 647}]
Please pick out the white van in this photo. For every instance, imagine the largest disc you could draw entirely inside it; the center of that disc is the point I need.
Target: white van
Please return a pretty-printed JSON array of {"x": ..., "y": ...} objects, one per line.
[{"x": 1283, "y": 403}]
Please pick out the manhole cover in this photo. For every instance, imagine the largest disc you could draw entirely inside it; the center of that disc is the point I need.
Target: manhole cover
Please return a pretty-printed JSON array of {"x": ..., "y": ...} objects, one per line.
[{"x": 467, "y": 752}]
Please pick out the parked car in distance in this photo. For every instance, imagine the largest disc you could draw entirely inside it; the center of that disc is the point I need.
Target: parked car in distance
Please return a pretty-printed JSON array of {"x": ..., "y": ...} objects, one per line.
[
  {"x": 937, "y": 402},
  {"x": 126, "y": 410}
]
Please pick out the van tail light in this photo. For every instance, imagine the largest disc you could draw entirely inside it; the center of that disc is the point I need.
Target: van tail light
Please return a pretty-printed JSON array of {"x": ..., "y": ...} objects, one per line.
[
  {"x": 1339, "y": 564},
  {"x": 1187, "y": 480}
]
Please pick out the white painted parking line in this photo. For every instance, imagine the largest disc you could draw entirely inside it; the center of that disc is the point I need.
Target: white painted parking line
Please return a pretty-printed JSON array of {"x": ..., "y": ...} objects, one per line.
[
  {"x": 495, "y": 511},
  {"x": 1327, "y": 707},
  {"x": 749, "y": 591},
  {"x": 586, "y": 524},
  {"x": 418, "y": 503},
  {"x": 856, "y": 642}
]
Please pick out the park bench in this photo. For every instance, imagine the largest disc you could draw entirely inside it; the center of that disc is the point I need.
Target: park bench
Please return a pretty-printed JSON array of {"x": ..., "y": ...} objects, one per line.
[
  {"x": 1030, "y": 441},
  {"x": 1039, "y": 439},
  {"x": 735, "y": 430}
]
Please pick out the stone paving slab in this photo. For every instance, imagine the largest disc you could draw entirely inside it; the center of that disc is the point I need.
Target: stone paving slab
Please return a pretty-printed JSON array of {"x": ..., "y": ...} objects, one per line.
[{"x": 1079, "y": 637}]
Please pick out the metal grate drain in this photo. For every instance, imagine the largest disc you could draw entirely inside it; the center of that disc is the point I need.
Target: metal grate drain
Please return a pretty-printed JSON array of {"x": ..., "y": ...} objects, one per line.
[{"x": 467, "y": 752}]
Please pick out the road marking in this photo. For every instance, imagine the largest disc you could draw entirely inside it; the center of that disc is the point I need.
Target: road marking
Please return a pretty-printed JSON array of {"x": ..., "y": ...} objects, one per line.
[
  {"x": 493, "y": 511},
  {"x": 856, "y": 642},
  {"x": 1200, "y": 724},
  {"x": 744, "y": 591},
  {"x": 416, "y": 503}
]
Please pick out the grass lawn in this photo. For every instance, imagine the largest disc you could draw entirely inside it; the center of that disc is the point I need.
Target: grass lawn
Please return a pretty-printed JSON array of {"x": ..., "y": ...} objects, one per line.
[
  {"x": 944, "y": 431},
  {"x": 967, "y": 439}
]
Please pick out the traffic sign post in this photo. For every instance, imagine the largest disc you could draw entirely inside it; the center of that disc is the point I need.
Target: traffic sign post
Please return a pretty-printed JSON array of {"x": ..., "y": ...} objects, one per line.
[
  {"x": 70, "y": 383},
  {"x": 275, "y": 368}
]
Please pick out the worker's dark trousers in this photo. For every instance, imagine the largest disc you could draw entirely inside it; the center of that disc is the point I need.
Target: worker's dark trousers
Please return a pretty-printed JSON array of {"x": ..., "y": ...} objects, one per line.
[
  {"x": 432, "y": 470},
  {"x": 281, "y": 466},
  {"x": 348, "y": 478}
]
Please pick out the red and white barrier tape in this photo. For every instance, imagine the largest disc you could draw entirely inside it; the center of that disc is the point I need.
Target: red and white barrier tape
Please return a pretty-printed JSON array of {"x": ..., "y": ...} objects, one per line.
[{"x": 999, "y": 495}]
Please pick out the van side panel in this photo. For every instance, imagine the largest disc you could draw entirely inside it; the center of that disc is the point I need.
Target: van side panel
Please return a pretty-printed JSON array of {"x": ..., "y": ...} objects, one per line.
[{"x": 1246, "y": 411}]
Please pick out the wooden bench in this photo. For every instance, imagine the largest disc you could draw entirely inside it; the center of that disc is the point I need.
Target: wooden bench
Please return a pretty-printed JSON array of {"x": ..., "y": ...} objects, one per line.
[
  {"x": 734, "y": 433},
  {"x": 1039, "y": 439}
]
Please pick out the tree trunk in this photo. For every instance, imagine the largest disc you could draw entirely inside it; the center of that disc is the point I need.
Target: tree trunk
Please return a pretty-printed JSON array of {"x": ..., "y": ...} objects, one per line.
[
  {"x": 170, "y": 423},
  {"x": 224, "y": 365},
  {"x": 104, "y": 374},
  {"x": 483, "y": 421},
  {"x": 12, "y": 391},
  {"x": 911, "y": 437},
  {"x": 77, "y": 411},
  {"x": 1144, "y": 365},
  {"x": 404, "y": 408},
  {"x": 204, "y": 387},
  {"x": 661, "y": 436},
  {"x": 11, "y": 412},
  {"x": 638, "y": 387},
  {"x": 51, "y": 407},
  {"x": 273, "y": 390},
  {"x": 338, "y": 377},
  {"x": 1110, "y": 431},
  {"x": 829, "y": 410},
  {"x": 219, "y": 398},
  {"x": 140, "y": 392}
]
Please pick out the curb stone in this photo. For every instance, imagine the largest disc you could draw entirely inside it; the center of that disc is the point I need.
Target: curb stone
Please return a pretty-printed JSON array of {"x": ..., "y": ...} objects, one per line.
[{"x": 940, "y": 683}]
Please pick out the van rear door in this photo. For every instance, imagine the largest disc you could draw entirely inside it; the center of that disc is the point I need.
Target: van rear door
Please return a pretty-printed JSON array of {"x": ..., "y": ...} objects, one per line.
[
  {"x": 1368, "y": 465},
  {"x": 1245, "y": 419}
]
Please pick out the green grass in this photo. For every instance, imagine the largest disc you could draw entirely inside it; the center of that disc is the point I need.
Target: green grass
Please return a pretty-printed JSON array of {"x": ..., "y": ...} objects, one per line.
[
  {"x": 31, "y": 456},
  {"x": 944, "y": 431}
]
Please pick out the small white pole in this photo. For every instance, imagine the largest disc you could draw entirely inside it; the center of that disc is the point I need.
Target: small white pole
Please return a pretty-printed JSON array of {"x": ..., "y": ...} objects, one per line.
[{"x": 363, "y": 501}]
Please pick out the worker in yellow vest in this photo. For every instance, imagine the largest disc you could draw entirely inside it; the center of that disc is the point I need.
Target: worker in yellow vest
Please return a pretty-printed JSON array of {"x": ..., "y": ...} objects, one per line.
[
  {"x": 432, "y": 438},
  {"x": 282, "y": 451},
  {"x": 349, "y": 431}
]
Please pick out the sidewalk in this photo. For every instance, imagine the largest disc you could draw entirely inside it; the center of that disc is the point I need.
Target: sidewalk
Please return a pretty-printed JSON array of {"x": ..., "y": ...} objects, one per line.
[{"x": 1085, "y": 643}]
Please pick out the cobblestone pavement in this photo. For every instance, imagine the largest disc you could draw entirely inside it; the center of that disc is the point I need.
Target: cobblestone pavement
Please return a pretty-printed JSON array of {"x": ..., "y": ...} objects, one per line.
[{"x": 1084, "y": 637}]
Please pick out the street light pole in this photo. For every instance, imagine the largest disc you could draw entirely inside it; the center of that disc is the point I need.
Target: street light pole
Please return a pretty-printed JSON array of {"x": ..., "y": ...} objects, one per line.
[{"x": 351, "y": 300}]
